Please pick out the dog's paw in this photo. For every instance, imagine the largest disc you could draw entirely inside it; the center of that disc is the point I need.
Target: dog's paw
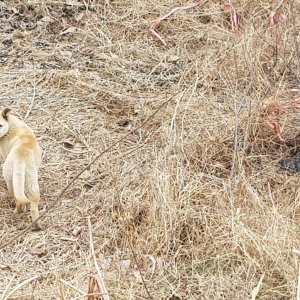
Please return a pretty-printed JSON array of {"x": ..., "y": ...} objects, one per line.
[
  {"x": 21, "y": 226},
  {"x": 36, "y": 227},
  {"x": 19, "y": 209}
]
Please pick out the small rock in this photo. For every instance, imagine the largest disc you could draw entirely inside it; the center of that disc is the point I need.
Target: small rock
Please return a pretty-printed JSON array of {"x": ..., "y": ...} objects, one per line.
[{"x": 291, "y": 164}]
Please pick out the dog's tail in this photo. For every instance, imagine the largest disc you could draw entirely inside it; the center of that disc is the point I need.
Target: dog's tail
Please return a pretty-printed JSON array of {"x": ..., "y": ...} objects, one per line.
[{"x": 19, "y": 169}]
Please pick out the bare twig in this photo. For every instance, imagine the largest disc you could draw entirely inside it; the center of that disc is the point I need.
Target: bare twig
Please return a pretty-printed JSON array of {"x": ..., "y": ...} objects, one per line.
[
  {"x": 72, "y": 286},
  {"x": 32, "y": 98},
  {"x": 137, "y": 264}
]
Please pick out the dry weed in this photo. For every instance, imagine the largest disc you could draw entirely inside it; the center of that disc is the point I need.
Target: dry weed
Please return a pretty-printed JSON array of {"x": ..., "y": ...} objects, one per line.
[{"x": 196, "y": 192}]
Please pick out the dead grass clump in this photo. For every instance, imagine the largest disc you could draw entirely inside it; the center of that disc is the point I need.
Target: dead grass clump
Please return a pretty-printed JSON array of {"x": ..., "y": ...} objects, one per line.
[{"x": 194, "y": 200}]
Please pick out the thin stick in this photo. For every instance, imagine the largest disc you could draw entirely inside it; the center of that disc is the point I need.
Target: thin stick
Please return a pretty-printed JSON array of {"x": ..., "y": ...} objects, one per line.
[
  {"x": 136, "y": 262},
  {"x": 298, "y": 286},
  {"x": 32, "y": 98},
  {"x": 295, "y": 251},
  {"x": 7, "y": 287},
  {"x": 279, "y": 4},
  {"x": 72, "y": 286},
  {"x": 256, "y": 290},
  {"x": 101, "y": 283},
  {"x": 9, "y": 242},
  {"x": 20, "y": 285},
  {"x": 235, "y": 148}
]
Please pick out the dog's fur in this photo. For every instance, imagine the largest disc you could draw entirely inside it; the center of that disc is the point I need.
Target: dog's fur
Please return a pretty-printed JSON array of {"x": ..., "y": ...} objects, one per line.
[{"x": 22, "y": 155}]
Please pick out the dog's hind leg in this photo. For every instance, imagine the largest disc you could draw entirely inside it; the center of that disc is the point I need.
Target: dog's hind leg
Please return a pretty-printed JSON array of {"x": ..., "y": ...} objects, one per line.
[
  {"x": 10, "y": 187},
  {"x": 33, "y": 195},
  {"x": 8, "y": 176},
  {"x": 34, "y": 209},
  {"x": 18, "y": 185}
]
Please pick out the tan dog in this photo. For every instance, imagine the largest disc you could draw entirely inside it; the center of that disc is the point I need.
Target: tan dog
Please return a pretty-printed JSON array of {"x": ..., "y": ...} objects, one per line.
[{"x": 22, "y": 155}]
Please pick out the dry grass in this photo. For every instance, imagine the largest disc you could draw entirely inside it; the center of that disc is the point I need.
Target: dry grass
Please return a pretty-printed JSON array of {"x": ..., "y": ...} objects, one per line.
[{"x": 196, "y": 192}]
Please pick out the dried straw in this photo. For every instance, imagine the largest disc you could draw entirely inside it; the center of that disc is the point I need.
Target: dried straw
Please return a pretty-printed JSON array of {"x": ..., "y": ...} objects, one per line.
[{"x": 197, "y": 190}]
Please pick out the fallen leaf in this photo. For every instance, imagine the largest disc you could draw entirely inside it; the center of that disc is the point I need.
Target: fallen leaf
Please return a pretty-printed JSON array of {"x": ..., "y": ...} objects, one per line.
[
  {"x": 67, "y": 54},
  {"x": 2, "y": 267},
  {"x": 78, "y": 147},
  {"x": 87, "y": 50},
  {"x": 105, "y": 265},
  {"x": 47, "y": 19},
  {"x": 78, "y": 18},
  {"x": 125, "y": 123},
  {"x": 172, "y": 58},
  {"x": 125, "y": 264},
  {"x": 8, "y": 28},
  {"x": 72, "y": 2},
  {"x": 37, "y": 251},
  {"x": 12, "y": 8},
  {"x": 65, "y": 202},
  {"x": 138, "y": 276},
  {"x": 76, "y": 230},
  {"x": 71, "y": 29},
  {"x": 67, "y": 239},
  {"x": 68, "y": 145},
  {"x": 160, "y": 264},
  {"x": 90, "y": 184}
]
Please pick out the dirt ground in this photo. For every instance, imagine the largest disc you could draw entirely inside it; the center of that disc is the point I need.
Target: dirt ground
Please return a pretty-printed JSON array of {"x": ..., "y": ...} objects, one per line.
[{"x": 190, "y": 206}]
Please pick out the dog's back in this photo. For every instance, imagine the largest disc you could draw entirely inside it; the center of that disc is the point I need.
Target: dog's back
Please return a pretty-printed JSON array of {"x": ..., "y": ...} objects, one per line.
[{"x": 20, "y": 140}]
